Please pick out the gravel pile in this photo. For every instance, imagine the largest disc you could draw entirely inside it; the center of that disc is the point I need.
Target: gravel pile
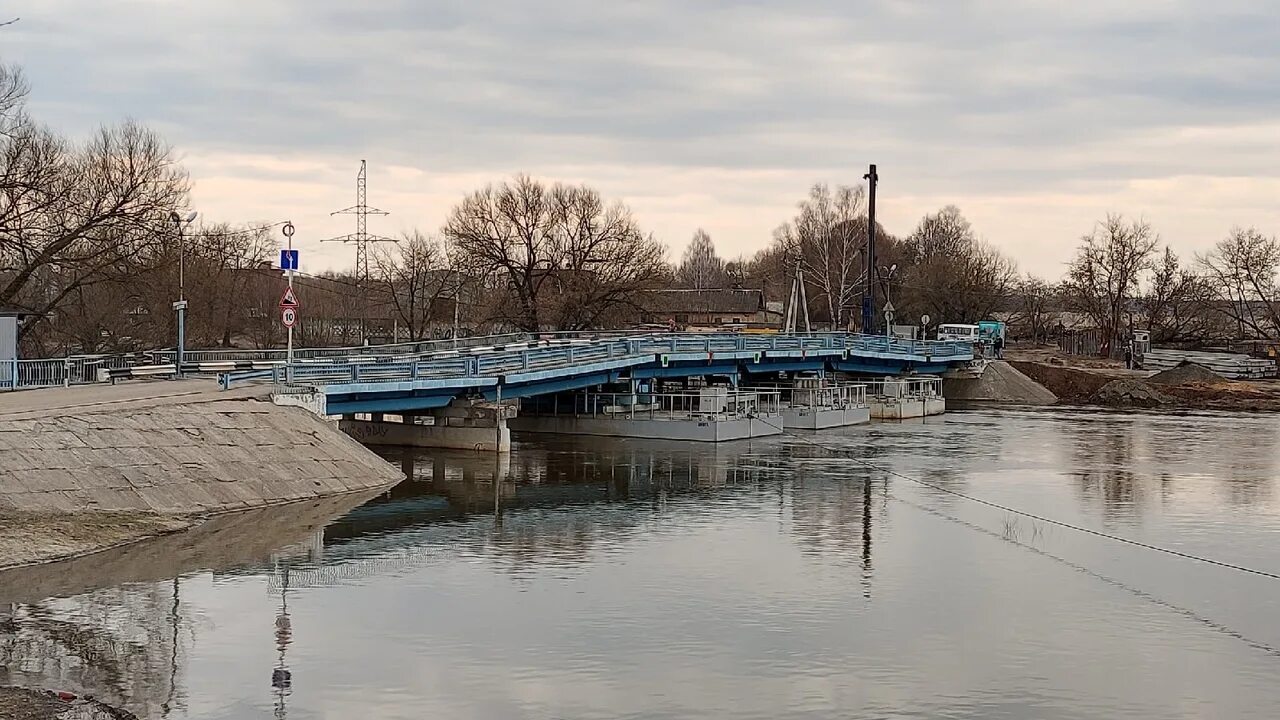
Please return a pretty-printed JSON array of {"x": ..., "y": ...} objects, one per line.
[
  {"x": 1129, "y": 393},
  {"x": 1000, "y": 382},
  {"x": 1187, "y": 372}
]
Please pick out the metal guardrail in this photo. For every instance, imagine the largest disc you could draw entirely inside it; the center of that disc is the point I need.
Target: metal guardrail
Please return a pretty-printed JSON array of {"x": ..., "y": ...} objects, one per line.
[
  {"x": 562, "y": 353},
  {"x": 58, "y": 372},
  {"x": 912, "y": 388},
  {"x": 825, "y": 395},
  {"x": 711, "y": 403},
  {"x": 404, "y": 349},
  {"x": 467, "y": 357}
]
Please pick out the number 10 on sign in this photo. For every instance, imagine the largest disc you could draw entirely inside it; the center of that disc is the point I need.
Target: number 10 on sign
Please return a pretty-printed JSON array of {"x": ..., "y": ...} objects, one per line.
[{"x": 289, "y": 316}]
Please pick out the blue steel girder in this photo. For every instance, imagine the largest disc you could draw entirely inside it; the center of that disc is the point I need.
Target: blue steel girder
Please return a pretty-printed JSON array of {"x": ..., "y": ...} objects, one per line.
[
  {"x": 871, "y": 367},
  {"x": 768, "y": 366},
  {"x": 347, "y": 405},
  {"x": 550, "y": 386},
  {"x": 685, "y": 369}
]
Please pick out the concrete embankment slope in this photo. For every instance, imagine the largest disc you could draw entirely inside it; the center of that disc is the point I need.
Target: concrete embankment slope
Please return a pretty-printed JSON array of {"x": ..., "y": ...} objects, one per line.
[{"x": 88, "y": 470}]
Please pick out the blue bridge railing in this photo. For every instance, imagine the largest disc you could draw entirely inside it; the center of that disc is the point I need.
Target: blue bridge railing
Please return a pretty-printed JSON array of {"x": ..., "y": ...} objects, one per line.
[{"x": 566, "y": 353}]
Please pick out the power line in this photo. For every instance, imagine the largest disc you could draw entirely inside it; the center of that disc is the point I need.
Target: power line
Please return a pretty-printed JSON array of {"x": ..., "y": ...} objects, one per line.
[
  {"x": 1024, "y": 513},
  {"x": 244, "y": 231}
]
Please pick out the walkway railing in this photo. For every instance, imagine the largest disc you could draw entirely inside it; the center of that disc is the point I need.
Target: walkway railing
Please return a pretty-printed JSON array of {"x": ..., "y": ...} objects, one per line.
[
  {"x": 480, "y": 356},
  {"x": 710, "y": 403},
  {"x": 908, "y": 388},
  {"x": 58, "y": 372},
  {"x": 827, "y": 395},
  {"x": 404, "y": 349}
]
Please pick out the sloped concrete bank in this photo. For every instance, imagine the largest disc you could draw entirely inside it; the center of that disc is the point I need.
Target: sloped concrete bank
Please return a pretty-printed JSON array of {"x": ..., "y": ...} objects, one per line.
[{"x": 79, "y": 478}]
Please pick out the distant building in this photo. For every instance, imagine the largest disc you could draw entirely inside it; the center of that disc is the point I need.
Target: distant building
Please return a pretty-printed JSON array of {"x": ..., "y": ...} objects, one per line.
[{"x": 709, "y": 308}]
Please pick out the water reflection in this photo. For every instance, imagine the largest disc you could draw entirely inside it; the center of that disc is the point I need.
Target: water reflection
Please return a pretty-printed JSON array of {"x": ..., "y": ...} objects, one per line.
[
  {"x": 1124, "y": 463},
  {"x": 108, "y": 626},
  {"x": 776, "y": 578}
]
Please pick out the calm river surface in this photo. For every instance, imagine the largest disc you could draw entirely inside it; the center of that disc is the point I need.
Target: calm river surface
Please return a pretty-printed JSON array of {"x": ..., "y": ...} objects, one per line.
[{"x": 773, "y": 579}]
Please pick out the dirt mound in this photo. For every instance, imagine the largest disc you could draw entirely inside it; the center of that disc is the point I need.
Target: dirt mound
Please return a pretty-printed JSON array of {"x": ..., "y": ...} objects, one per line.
[
  {"x": 1071, "y": 385},
  {"x": 27, "y": 704},
  {"x": 1000, "y": 382},
  {"x": 1187, "y": 372},
  {"x": 1129, "y": 393}
]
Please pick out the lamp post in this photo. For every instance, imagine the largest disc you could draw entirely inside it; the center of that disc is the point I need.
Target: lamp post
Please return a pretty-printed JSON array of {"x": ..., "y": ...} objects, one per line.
[
  {"x": 886, "y": 276},
  {"x": 181, "y": 305}
]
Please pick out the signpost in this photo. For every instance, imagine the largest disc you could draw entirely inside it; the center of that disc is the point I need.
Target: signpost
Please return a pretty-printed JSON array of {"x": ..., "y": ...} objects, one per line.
[{"x": 289, "y": 301}]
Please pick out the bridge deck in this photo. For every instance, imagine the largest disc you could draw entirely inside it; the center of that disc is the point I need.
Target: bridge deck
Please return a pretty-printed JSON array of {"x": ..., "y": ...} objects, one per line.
[{"x": 532, "y": 367}]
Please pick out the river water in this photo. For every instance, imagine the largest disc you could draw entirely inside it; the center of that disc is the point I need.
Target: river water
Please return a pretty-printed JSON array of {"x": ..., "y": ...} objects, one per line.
[{"x": 772, "y": 579}]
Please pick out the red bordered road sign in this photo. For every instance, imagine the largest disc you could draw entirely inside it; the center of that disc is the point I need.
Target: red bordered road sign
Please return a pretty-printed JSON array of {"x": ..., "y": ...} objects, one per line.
[
  {"x": 289, "y": 316},
  {"x": 289, "y": 300}
]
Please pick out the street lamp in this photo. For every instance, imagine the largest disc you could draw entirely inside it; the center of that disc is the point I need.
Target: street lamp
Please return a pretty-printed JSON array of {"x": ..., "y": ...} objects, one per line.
[
  {"x": 886, "y": 276},
  {"x": 181, "y": 305}
]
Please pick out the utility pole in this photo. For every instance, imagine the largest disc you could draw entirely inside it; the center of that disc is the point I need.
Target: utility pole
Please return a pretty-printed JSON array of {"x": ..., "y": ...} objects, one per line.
[
  {"x": 361, "y": 238},
  {"x": 869, "y": 293}
]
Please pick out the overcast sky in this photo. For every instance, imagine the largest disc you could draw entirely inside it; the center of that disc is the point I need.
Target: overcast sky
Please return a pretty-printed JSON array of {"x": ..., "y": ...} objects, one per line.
[{"x": 1036, "y": 117}]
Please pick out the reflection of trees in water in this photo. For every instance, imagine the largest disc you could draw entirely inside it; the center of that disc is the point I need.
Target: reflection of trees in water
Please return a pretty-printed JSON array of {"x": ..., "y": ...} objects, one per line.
[
  {"x": 1103, "y": 456},
  {"x": 1124, "y": 463},
  {"x": 119, "y": 644}
]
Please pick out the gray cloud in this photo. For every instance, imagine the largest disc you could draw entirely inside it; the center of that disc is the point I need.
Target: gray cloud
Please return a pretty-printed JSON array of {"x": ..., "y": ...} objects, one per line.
[{"x": 967, "y": 97}]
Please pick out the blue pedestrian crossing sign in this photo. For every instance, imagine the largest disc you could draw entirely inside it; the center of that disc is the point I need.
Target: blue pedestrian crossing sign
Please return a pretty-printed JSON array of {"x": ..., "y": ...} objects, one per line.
[{"x": 288, "y": 259}]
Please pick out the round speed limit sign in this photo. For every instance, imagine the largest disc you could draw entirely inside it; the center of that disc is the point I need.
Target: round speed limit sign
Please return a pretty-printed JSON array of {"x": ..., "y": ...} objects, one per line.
[{"x": 289, "y": 316}]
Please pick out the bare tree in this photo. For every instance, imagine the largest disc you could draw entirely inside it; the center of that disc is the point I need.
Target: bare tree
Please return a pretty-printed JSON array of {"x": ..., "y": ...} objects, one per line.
[
  {"x": 951, "y": 274},
  {"x": 560, "y": 255},
  {"x": 1034, "y": 311},
  {"x": 1103, "y": 278},
  {"x": 1176, "y": 302},
  {"x": 1242, "y": 270},
  {"x": 827, "y": 237},
  {"x": 219, "y": 262},
  {"x": 700, "y": 267},
  {"x": 72, "y": 216},
  {"x": 415, "y": 277}
]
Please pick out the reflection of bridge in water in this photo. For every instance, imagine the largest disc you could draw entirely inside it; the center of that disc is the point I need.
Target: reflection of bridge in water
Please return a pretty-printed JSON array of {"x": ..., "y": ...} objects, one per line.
[{"x": 535, "y": 508}]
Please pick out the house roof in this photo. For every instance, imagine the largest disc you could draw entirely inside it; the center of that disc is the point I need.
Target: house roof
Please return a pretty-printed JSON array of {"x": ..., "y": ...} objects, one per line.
[
  {"x": 736, "y": 300},
  {"x": 9, "y": 311}
]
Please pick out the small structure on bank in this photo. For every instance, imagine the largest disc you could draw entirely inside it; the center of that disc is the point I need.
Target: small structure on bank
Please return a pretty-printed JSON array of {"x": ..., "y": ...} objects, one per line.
[{"x": 10, "y": 319}]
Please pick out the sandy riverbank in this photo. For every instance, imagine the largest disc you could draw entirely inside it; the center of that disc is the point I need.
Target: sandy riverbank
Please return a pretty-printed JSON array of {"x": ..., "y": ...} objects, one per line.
[{"x": 1093, "y": 381}]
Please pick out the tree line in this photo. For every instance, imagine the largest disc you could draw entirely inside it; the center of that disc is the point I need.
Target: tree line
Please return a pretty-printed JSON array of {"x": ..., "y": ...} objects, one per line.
[{"x": 89, "y": 252}]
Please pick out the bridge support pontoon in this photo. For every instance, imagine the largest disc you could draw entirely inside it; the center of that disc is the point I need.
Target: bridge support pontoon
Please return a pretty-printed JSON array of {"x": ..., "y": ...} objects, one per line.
[{"x": 463, "y": 425}]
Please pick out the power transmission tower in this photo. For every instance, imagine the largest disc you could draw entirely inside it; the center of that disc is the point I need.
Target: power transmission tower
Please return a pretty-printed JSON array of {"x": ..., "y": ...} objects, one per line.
[{"x": 361, "y": 238}]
